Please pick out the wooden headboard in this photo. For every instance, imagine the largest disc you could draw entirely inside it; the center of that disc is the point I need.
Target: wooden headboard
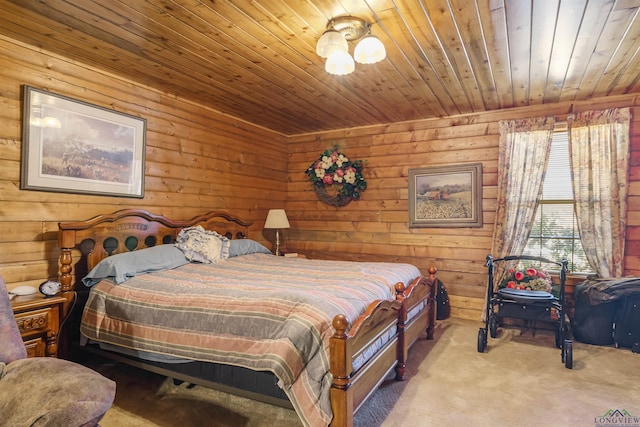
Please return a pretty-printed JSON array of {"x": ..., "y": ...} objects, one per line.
[{"x": 128, "y": 230}]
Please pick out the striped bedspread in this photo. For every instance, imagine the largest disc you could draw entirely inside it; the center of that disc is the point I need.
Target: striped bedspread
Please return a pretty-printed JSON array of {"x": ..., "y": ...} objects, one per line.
[{"x": 257, "y": 311}]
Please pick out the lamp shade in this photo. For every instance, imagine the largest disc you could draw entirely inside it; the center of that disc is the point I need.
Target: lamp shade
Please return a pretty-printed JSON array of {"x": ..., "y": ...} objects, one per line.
[
  {"x": 277, "y": 218},
  {"x": 331, "y": 41},
  {"x": 369, "y": 50},
  {"x": 340, "y": 63}
]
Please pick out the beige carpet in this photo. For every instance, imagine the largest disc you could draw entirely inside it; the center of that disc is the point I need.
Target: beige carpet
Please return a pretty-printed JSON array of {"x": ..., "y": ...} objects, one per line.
[{"x": 519, "y": 381}]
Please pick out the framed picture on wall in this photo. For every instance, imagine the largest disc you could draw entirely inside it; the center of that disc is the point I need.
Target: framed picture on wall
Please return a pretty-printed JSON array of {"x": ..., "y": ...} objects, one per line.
[
  {"x": 71, "y": 146},
  {"x": 446, "y": 196}
]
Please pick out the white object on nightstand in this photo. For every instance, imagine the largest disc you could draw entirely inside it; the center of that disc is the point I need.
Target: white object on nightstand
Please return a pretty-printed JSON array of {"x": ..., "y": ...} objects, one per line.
[{"x": 23, "y": 290}]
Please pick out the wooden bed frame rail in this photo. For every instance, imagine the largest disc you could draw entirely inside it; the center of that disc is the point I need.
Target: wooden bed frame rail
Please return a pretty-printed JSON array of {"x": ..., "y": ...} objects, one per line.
[
  {"x": 350, "y": 390},
  {"x": 133, "y": 229}
]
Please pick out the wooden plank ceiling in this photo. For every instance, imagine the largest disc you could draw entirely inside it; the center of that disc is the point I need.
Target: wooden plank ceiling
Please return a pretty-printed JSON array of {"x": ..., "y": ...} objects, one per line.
[{"x": 256, "y": 60}]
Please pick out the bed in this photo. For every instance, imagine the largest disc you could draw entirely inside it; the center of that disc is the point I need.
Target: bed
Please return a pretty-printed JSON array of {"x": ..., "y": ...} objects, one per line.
[{"x": 355, "y": 336}]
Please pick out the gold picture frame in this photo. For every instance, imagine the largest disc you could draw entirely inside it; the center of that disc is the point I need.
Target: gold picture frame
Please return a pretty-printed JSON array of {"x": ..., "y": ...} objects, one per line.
[{"x": 446, "y": 196}]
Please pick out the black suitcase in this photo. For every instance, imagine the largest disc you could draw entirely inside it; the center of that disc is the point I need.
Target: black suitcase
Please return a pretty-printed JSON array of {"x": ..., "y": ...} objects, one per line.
[
  {"x": 627, "y": 326},
  {"x": 593, "y": 324}
]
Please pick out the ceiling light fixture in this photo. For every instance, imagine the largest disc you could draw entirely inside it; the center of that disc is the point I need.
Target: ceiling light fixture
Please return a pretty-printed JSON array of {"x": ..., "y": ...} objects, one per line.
[{"x": 333, "y": 45}]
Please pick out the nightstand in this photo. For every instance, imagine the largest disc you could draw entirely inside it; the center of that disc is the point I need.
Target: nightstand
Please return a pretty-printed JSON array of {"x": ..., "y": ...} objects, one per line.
[{"x": 39, "y": 320}]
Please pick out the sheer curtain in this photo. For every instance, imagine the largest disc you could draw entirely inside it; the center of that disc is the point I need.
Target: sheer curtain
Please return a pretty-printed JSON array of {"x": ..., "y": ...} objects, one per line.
[
  {"x": 523, "y": 154},
  {"x": 599, "y": 150}
]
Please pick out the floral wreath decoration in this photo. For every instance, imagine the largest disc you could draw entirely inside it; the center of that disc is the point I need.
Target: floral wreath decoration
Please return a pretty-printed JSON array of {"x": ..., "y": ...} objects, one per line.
[
  {"x": 530, "y": 279},
  {"x": 336, "y": 172}
]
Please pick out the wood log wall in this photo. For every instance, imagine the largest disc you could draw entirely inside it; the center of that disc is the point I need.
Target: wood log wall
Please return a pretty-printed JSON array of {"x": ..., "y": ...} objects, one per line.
[
  {"x": 376, "y": 226},
  {"x": 198, "y": 159}
]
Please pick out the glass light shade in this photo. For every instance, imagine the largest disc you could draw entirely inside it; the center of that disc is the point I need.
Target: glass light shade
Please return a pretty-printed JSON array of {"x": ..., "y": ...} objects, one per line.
[
  {"x": 331, "y": 41},
  {"x": 370, "y": 50},
  {"x": 340, "y": 63}
]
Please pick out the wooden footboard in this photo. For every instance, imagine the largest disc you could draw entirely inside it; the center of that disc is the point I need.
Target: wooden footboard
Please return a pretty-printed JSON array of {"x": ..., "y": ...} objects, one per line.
[
  {"x": 375, "y": 332},
  {"x": 417, "y": 315}
]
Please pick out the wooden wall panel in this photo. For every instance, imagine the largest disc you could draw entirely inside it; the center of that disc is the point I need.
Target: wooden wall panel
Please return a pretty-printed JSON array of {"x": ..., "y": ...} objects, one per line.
[
  {"x": 376, "y": 227},
  {"x": 196, "y": 160}
]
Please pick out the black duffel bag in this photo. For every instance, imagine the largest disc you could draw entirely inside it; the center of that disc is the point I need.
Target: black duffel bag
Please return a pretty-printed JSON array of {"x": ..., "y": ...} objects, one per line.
[
  {"x": 597, "y": 306},
  {"x": 593, "y": 324}
]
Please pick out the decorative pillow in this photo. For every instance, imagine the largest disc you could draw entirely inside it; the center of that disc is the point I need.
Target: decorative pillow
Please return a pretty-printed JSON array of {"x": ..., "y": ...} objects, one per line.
[
  {"x": 200, "y": 245},
  {"x": 121, "y": 267},
  {"x": 245, "y": 247}
]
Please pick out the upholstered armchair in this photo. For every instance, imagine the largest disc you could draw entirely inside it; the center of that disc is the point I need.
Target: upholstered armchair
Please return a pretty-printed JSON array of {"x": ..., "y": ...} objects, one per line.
[{"x": 45, "y": 391}]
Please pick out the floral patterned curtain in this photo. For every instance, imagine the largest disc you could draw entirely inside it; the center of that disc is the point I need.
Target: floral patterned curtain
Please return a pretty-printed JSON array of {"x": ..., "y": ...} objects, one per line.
[
  {"x": 523, "y": 154},
  {"x": 599, "y": 151}
]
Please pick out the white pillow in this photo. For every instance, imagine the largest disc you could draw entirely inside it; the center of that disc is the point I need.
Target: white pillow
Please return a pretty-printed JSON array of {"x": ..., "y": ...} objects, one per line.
[{"x": 202, "y": 245}]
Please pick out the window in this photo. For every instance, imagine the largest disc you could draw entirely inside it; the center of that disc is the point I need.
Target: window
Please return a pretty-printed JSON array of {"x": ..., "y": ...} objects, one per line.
[{"x": 554, "y": 233}]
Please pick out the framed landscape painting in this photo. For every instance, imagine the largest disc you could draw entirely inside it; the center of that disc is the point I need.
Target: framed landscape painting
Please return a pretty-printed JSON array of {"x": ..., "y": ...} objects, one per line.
[
  {"x": 446, "y": 196},
  {"x": 71, "y": 146}
]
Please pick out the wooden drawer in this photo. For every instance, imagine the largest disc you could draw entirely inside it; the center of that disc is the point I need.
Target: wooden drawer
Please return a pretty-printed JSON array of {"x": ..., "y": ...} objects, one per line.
[
  {"x": 36, "y": 347},
  {"x": 38, "y": 319}
]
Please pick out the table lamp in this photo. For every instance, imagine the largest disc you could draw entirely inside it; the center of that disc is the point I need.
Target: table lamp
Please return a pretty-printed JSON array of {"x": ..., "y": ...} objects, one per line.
[{"x": 277, "y": 218}]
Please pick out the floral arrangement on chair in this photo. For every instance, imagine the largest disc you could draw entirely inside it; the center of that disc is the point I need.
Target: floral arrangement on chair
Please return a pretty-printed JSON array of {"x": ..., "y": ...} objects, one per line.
[
  {"x": 530, "y": 279},
  {"x": 336, "y": 172}
]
